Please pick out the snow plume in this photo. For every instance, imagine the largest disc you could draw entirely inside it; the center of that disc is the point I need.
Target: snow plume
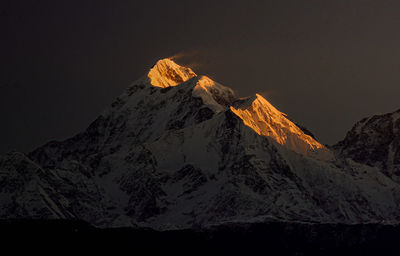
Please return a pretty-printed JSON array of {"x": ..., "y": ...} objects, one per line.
[{"x": 188, "y": 58}]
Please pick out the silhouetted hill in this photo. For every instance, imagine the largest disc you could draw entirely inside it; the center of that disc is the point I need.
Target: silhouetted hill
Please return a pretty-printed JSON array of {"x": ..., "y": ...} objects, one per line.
[{"x": 274, "y": 238}]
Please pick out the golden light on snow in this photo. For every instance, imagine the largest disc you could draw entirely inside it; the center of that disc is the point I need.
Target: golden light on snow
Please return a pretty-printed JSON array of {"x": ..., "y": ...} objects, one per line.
[
  {"x": 167, "y": 73},
  {"x": 258, "y": 114}
]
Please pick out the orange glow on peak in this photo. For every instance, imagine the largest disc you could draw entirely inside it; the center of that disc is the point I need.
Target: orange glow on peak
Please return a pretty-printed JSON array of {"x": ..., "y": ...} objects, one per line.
[
  {"x": 167, "y": 73},
  {"x": 258, "y": 114}
]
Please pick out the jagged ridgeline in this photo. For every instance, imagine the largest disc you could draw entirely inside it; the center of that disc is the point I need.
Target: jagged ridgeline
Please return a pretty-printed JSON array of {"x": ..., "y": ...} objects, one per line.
[{"x": 179, "y": 150}]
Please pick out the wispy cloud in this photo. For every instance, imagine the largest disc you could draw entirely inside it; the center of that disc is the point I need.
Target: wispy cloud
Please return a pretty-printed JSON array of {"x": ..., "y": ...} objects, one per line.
[
  {"x": 185, "y": 54},
  {"x": 267, "y": 94},
  {"x": 188, "y": 58}
]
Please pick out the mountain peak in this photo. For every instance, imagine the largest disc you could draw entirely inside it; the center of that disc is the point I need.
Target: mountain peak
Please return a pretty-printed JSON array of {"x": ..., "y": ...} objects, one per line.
[
  {"x": 167, "y": 73},
  {"x": 192, "y": 156},
  {"x": 260, "y": 115},
  {"x": 257, "y": 99},
  {"x": 213, "y": 94},
  {"x": 375, "y": 141}
]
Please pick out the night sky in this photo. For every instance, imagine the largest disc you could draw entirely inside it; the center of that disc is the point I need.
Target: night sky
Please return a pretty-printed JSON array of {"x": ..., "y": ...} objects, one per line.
[{"x": 326, "y": 64}]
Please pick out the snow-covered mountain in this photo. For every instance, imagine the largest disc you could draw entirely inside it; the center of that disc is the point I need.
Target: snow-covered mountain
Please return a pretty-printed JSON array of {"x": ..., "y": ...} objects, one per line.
[
  {"x": 257, "y": 113},
  {"x": 375, "y": 141},
  {"x": 179, "y": 150}
]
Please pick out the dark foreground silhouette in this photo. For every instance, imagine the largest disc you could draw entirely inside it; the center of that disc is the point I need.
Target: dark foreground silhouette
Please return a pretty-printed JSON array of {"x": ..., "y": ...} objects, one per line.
[{"x": 274, "y": 238}]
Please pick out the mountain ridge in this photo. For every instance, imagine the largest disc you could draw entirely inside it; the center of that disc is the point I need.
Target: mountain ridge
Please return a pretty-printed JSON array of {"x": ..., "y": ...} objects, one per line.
[
  {"x": 375, "y": 141},
  {"x": 178, "y": 150}
]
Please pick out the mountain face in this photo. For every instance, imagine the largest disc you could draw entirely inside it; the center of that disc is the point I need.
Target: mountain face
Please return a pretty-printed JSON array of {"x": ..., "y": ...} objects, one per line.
[
  {"x": 257, "y": 113},
  {"x": 375, "y": 141},
  {"x": 178, "y": 150}
]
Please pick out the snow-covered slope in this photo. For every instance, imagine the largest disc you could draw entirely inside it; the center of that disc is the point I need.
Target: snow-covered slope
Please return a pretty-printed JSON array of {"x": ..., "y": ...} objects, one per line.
[
  {"x": 257, "y": 113},
  {"x": 178, "y": 150},
  {"x": 233, "y": 174},
  {"x": 70, "y": 191},
  {"x": 375, "y": 141}
]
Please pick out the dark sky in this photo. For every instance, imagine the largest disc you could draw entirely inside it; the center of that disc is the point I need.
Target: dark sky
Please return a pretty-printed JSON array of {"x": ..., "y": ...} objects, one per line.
[{"x": 326, "y": 64}]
